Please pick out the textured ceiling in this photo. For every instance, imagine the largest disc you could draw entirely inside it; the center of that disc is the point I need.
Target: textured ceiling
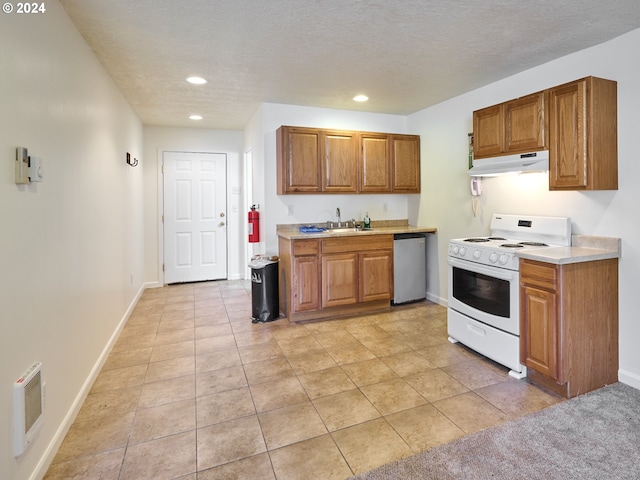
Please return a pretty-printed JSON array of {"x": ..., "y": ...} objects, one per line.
[{"x": 405, "y": 55}]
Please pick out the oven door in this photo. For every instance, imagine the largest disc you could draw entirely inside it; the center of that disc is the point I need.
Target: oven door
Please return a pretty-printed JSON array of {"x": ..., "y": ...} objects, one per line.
[{"x": 487, "y": 294}]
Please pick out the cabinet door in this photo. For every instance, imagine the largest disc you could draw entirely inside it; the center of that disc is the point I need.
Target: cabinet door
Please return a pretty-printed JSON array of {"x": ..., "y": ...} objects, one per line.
[
  {"x": 376, "y": 276},
  {"x": 539, "y": 331},
  {"x": 299, "y": 166},
  {"x": 375, "y": 163},
  {"x": 340, "y": 161},
  {"x": 405, "y": 159},
  {"x": 583, "y": 137},
  {"x": 339, "y": 279},
  {"x": 525, "y": 124},
  {"x": 488, "y": 132},
  {"x": 305, "y": 278},
  {"x": 568, "y": 136}
]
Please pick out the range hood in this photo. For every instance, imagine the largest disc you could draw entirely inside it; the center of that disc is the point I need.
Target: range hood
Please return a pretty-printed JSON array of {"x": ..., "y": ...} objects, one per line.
[{"x": 510, "y": 164}]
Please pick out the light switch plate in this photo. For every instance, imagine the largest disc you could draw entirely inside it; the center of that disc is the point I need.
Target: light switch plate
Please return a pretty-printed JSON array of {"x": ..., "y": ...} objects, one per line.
[{"x": 22, "y": 165}]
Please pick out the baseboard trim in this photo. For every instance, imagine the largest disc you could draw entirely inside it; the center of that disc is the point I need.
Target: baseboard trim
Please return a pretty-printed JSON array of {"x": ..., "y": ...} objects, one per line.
[
  {"x": 51, "y": 450},
  {"x": 629, "y": 378},
  {"x": 436, "y": 299}
]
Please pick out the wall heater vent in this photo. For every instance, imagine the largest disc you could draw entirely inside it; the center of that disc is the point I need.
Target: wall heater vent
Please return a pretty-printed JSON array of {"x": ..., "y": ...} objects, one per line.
[{"x": 28, "y": 408}]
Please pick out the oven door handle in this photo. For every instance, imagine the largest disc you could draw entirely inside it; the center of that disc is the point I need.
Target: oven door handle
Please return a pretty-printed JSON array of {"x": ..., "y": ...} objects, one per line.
[{"x": 496, "y": 272}]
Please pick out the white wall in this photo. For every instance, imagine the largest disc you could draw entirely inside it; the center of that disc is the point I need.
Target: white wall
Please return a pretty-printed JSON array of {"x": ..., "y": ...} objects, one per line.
[
  {"x": 77, "y": 248},
  {"x": 160, "y": 139},
  {"x": 446, "y": 203},
  {"x": 71, "y": 249},
  {"x": 261, "y": 137}
]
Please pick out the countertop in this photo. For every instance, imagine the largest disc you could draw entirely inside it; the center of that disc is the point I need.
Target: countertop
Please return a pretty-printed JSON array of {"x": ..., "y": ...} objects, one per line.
[
  {"x": 584, "y": 248},
  {"x": 382, "y": 227}
]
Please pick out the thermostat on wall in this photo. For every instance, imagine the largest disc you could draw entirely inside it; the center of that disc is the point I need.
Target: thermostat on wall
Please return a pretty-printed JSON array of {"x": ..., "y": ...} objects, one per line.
[
  {"x": 22, "y": 165},
  {"x": 36, "y": 174}
]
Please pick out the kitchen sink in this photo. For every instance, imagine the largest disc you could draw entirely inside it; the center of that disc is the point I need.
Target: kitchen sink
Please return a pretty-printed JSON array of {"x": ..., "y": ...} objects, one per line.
[{"x": 348, "y": 230}]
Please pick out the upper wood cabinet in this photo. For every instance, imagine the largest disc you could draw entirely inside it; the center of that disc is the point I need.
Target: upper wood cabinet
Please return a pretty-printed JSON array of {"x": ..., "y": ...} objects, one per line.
[
  {"x": 338, "y": 154},
  {"x": 488, "y": 132},
  {"x": 313, "y": 160},
  {"x": 516, "y": 126},
  {"x": 299, "y": 169},
  {"x": 576, "y": 122},
  {"x": 405, "y": 159},
  {"x": 584, "y": 138},
  {"x": 375, "y": 163}
]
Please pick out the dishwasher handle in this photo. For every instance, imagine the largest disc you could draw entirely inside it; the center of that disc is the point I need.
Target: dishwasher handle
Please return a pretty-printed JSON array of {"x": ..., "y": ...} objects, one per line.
[{"x": 407, "y": 236}]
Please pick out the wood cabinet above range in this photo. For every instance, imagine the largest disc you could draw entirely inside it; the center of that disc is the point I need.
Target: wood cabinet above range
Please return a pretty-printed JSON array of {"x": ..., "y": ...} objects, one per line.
[
  {"x": 576, "y": 122},
  {"x": 583, "y": 153},
  {"x": 516, "y": 126},
  {"x": 311, "y": 160}
]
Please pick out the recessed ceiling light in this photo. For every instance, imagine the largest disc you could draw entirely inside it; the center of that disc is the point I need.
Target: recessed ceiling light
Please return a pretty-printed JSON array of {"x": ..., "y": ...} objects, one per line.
[
  {"x": 196, "y": 80},
  {"x": 195, "y": 117},
  {"x": 360, "y": 98}
]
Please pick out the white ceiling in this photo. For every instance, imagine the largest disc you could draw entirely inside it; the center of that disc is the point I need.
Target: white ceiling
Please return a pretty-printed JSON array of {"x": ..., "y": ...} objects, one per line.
[{"x": 405, "y": 55}]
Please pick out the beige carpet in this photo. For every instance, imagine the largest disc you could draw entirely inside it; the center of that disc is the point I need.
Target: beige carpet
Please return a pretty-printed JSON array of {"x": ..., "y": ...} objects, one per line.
[{"x": 593, "y": 436}]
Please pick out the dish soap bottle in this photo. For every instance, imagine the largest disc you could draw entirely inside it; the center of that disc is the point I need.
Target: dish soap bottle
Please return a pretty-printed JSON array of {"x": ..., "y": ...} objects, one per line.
[{"x": 366, "y": 221}]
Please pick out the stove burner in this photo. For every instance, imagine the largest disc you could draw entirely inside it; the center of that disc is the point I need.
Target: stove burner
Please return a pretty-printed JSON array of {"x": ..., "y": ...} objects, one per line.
[
  {"x": 512, "y": 245},
  {"x": 534, "y": 244},
  {"x": 476, "y": 240},
  {"x": 497, "y": 238}
]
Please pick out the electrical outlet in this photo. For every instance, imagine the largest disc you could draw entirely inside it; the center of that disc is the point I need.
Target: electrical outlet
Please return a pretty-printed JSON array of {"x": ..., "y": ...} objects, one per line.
[
  {"x": 289, "y": 210},
  {"x": 385, "y": 207}
]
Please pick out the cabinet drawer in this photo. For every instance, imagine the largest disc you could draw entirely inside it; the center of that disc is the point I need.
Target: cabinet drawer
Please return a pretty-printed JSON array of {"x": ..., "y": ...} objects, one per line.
[
  {"x": 538, "y": 274},
  {"x": 357, "y": 243},
  {"x": 306, "y": 247}
]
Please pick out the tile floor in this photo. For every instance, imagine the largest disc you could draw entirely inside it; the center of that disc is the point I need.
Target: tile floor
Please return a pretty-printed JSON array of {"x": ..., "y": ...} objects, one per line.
[{"x": 194, "y": 390}]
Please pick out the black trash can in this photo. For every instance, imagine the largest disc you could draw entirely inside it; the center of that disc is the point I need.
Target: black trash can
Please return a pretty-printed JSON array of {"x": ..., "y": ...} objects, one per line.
[{"x": 265, "y": 302}]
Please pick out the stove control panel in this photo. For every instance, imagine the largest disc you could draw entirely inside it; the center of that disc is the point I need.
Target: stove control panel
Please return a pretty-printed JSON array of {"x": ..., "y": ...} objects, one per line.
[{"x": 485, "y": 256}]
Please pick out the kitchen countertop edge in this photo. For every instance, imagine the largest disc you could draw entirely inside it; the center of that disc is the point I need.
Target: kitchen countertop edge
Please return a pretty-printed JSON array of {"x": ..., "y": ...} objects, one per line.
[
  {"x": 293, "y": 233},
  {"x": 584, "y": 248}
]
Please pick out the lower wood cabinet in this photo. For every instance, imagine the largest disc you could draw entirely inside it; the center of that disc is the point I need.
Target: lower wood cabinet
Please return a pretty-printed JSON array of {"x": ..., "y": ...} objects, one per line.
[
  {"x": 335, "y": 276},
  {"x": 339, "y": 279},
  {"x": 305, "y": 275},
  {"x": 569, "y": 324},
  {"x": 375, "y": 275}
]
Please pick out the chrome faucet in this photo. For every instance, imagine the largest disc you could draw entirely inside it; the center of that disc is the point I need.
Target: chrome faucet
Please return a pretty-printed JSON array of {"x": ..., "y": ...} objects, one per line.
[{"x": 339, "y": 219}]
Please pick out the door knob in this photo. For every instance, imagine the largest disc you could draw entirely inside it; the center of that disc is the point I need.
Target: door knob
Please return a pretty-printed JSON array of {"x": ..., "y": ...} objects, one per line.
[
  {"x": 222, "y": 214},
  {"x": 221, "y": 224}
]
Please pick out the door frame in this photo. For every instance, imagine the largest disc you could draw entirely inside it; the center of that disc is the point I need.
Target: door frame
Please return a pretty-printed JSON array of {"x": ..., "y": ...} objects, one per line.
[{"x": 160, "y": 204}]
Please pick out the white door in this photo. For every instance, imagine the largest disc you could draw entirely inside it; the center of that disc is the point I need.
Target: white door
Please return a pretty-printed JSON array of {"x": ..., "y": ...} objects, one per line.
[{"x": 195, "y": 216}]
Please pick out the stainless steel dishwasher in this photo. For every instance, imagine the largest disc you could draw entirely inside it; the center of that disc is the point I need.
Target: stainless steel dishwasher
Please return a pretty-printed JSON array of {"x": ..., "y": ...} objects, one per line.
[{"x": 409, "y": 267}]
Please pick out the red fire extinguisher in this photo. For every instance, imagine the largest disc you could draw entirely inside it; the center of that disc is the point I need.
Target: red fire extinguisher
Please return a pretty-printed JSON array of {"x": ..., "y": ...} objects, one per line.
[{"x": 254, "y": 225}]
